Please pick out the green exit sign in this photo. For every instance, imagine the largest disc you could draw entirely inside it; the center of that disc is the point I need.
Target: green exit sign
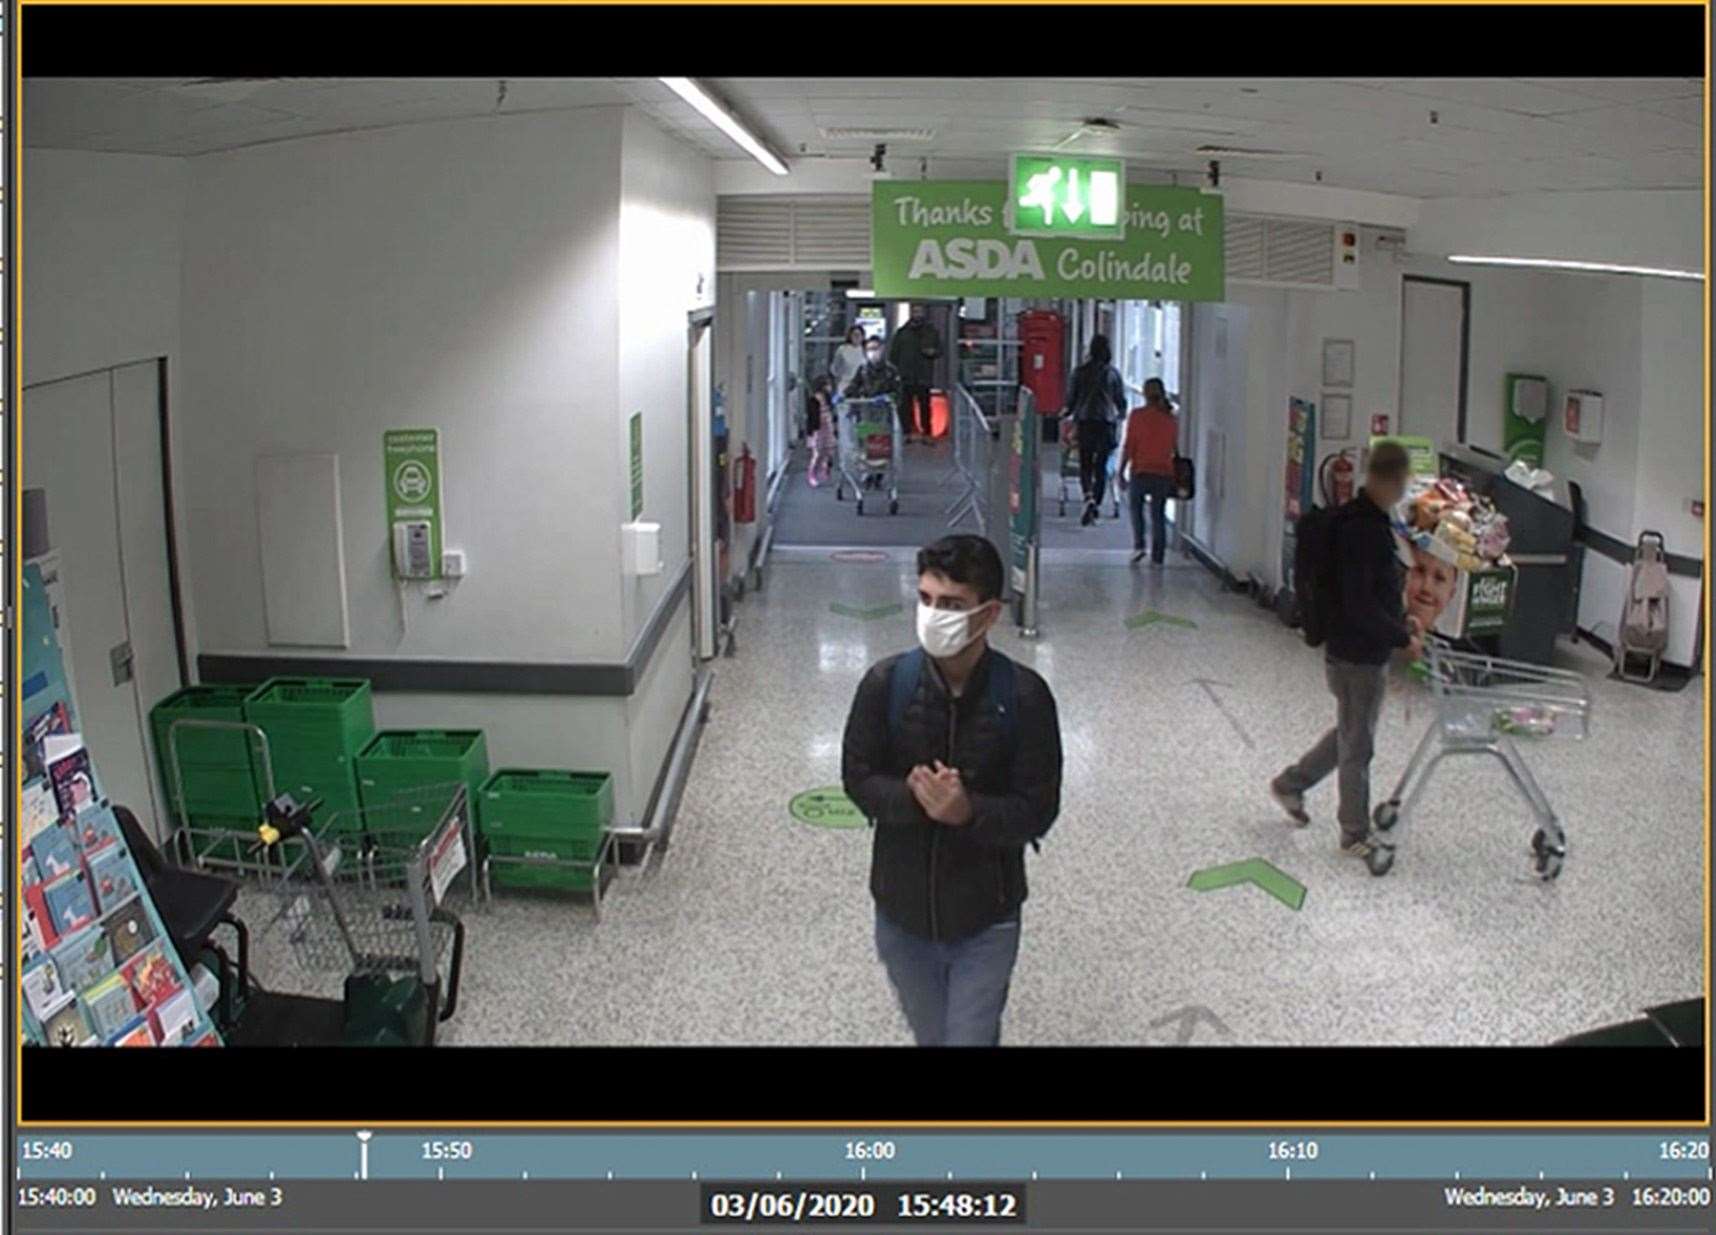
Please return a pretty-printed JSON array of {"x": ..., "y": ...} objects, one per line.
[{"x": 1072, "y": 197}]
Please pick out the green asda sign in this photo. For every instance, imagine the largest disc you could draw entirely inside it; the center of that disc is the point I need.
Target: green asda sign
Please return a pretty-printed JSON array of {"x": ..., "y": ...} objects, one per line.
[{"x": 964, "y": 238}]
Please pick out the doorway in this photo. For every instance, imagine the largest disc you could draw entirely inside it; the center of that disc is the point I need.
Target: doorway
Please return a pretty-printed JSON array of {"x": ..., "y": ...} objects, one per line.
[
  {"x": 1435, "y": 343},
  {"x": 97, "y": 447}
]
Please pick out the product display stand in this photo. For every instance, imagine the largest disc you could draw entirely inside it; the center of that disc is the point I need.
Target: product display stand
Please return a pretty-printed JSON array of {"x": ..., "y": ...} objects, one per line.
[{"x": 98, "y": 967}]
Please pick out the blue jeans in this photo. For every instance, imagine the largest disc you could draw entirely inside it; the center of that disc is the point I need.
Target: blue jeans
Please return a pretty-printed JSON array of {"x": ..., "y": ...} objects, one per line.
[
  {"x": 1156, "y": 489},
  {"x": 953, "y": 994}
]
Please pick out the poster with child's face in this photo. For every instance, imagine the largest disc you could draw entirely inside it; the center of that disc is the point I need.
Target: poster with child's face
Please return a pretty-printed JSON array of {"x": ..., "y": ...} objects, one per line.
[{"x": 1431, "y": 583}]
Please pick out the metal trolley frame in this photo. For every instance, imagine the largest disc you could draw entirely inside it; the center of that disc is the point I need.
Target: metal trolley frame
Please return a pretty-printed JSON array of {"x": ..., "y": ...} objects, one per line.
[
  {"x": 228, "y": 848},
  {"x": 371, "y": 896},
  {"x": 1067, "y": 465},
  {"x": 1482, "y": 704},
  {"x": 857, "y": 468},
  {"x": 597, "y": 868}
]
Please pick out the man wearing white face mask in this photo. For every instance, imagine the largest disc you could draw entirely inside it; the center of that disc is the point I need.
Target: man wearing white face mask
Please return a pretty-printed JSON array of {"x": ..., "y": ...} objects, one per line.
[{"x": 953, "y": 751}]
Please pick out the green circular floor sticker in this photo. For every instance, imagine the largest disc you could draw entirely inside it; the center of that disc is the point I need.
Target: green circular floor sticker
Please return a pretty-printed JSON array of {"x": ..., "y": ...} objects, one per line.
[{"x": 826, "y": 808}]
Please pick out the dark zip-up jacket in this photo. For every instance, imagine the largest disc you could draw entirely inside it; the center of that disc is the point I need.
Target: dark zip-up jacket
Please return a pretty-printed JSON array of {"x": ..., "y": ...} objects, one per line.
[
  {"x": 873, "y": 380},
  {"x": 1097, "y": 393},
  {"x": 1371, "y": 621},
  {"x": 913, "y": 352},
  {"x": 937, "y": 881}
]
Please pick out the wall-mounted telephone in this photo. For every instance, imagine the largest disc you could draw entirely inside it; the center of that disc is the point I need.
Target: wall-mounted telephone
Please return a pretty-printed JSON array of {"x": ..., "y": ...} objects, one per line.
[{"x": 411, "y": 556}]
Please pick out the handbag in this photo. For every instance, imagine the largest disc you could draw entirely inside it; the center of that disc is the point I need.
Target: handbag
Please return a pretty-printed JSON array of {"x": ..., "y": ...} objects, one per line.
[{"x": 1185, "y": 479}]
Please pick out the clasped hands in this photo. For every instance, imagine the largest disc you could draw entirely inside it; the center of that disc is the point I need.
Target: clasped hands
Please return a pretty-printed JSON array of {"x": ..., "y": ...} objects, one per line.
[{"x": 941, "y": 793}]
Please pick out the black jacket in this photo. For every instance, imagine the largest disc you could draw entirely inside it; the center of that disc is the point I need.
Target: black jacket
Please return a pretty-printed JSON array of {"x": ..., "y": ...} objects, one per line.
[
  {"x": 873, "y": 380},
  {"x": 936, "y": 881},
  {"x": 913, "y": 352},
  {"x": 1097, "y": 393},
  {"x": 1370, "y": 622}
]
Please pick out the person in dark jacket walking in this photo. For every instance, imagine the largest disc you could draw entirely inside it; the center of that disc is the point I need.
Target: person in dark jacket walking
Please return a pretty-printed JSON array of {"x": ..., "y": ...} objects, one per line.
[
  {"x": 955, "y": 792},
  {"x": 1096, "y": 401},
  {"x": 1368, "y": 626},
  {"x": 913, "y": 352},
  {"x": 876, "y": 378}
]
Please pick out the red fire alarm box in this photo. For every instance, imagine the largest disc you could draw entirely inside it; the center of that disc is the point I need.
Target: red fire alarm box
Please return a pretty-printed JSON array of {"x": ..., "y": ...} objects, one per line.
[{"x": 1042, "y": 358}]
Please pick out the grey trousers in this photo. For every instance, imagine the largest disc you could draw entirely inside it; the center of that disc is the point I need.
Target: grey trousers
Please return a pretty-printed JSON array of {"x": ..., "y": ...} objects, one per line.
[{"x": 1359, "y": 691}]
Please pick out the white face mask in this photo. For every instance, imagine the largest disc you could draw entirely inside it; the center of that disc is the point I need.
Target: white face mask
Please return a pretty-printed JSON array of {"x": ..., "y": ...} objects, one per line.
[{"x": 944, "y": 633}]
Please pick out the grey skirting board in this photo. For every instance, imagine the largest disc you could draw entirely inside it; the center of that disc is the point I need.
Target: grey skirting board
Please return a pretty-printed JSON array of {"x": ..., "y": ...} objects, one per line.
[{"x": 446, "y": 676}]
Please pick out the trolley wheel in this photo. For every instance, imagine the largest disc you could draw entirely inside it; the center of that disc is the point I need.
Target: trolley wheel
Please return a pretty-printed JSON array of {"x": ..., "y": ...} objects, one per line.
[
  {"x": 1063, "y": 508},
  {"x": 757, "y": 579},
  {"x": 860, "y": 505},
  {"x": 1381, "y": 860},
  {"x": 1385, "y": 816},
  {"x": 840, "y": 493},
  {"x": 894, "y": 506},
  {"x": 1546, "y": 859}
]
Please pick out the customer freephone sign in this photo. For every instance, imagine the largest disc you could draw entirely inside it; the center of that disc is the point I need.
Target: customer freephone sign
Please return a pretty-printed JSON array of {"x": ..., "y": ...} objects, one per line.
[{"x": 977, "y": 238}]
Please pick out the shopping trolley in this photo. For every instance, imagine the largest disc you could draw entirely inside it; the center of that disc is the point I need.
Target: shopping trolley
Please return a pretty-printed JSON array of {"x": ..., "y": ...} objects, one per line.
[
  {"x": 373, "y": 901},
  {"x": 1487, "y": 706},
  {"x": 871, "y": 450},
  {"x": 1067, "y": 467}
]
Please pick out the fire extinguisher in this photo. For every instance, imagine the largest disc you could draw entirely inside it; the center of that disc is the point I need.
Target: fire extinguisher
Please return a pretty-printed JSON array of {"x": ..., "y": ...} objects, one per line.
[
  {"x": 1336, "y": 479},
  {"x": 745, "y": 488}
]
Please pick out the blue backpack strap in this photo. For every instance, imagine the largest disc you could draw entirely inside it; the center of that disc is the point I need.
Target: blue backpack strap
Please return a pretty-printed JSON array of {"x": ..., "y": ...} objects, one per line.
[{"x": 903, "y": 681}]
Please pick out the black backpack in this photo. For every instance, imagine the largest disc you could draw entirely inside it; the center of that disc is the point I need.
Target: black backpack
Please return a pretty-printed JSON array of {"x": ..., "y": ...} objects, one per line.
[{"x": 1315, "y": 586}]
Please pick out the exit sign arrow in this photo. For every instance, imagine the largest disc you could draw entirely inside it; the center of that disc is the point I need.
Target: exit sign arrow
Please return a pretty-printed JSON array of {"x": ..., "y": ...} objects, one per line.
[{"x": 1278, "y": 883}]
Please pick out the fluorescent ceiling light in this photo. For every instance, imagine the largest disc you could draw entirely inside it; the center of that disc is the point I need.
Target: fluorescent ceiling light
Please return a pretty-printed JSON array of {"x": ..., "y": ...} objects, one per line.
[
  {"x": 1551, "y": 263},
  {"x": 860, "y": 293},
  {"x": 722, "y": 119}
]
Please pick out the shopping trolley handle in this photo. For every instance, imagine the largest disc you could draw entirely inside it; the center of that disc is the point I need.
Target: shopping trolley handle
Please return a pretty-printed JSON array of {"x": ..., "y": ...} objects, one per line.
[{"x": 286, "y": 818}]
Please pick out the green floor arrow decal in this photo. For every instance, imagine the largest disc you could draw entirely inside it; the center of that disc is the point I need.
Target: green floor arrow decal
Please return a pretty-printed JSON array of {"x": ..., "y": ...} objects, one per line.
[
  {"x": 1282, "y": 886},
  {"x": 1150, "y": 618},
  {"x": 865, "y": 615},
  {"x": 826, "y": 808}
]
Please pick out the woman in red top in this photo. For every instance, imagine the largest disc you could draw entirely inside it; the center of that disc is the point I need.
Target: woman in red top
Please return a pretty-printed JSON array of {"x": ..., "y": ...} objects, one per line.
[{"x": 1152, "y": 438}]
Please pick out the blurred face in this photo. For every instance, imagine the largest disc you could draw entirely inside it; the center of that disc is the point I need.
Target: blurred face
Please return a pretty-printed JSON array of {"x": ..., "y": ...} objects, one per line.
[
  {"x": 856, "y": 335},
  {"x": 873, "y": 352},
  {"x": 1154, "y": 392},
  {"x": 1385, "y": 493},
  {"x": 1430, "y": 586}
]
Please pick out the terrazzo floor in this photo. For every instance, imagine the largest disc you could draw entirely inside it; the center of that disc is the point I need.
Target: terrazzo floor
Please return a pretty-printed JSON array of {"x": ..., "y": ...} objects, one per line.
[{"x": 755, "y": 929}]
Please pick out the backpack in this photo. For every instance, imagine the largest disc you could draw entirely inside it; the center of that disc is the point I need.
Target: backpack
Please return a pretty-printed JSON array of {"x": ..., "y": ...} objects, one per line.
[
  {"x": 1314, "y": 582},
  {"x": 1001, "y": 695}
]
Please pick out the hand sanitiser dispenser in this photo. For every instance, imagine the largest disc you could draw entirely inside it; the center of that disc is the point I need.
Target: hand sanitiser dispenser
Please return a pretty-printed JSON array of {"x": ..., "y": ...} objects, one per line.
[{"x": 640, "y": 546}]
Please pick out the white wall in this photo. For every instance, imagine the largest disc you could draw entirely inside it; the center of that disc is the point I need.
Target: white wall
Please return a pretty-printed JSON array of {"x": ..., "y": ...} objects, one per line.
[
  {"x": 101, "y": 261},
  {"x": 667, "y": 269},
  {"x": 1661, "y": 228},
  {"x": 1636, "y": 340},
  {"x": 456, "y": 275},
  {"x": 101, "y": 268}
]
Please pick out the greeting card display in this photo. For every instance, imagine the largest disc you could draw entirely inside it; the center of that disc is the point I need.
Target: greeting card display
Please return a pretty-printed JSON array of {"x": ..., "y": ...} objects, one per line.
[{"x": 98, "y": 967}]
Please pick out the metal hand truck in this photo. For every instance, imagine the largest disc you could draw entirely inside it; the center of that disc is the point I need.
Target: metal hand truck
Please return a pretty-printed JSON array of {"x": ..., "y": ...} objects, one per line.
[
  {"x": 1484, "y": 705},
  {"x": 373, "y": 897},
  {"x": 871, "y": 450}
]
